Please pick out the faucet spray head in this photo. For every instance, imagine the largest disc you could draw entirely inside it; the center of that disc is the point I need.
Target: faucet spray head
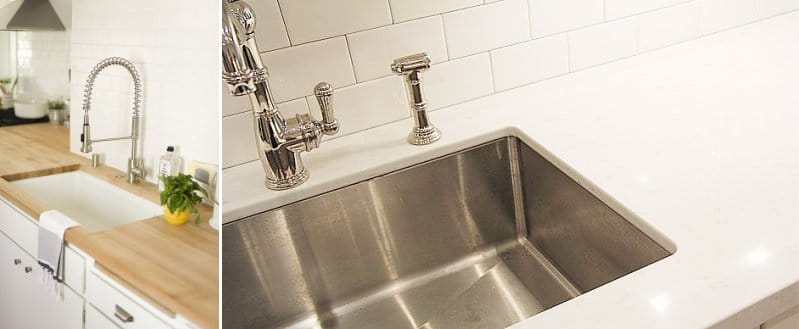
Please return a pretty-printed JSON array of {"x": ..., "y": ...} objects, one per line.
[
  {"x": 411, "y": 68},
  {"x": 409, "y": 64},
  {"x": 85, "y": 136}
]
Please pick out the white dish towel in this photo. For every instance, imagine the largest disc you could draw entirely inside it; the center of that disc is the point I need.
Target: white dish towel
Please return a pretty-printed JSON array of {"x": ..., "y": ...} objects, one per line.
[{"x": 52, "y": 225}]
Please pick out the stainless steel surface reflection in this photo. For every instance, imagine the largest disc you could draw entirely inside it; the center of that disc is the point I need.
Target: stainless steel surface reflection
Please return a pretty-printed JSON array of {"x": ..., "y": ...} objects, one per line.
[{"x": 483, "y": 238}]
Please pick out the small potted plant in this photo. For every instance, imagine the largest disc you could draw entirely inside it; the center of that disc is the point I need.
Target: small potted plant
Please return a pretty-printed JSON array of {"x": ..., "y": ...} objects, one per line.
[
  {"x": 57, "y": 111},
  {"x": 180, "y": 198},
  {"x": 6, "y": 100}
]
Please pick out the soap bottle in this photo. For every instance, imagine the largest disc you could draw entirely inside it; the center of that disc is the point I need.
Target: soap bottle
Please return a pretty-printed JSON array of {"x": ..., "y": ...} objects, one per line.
[{"x": 169, "y": 165}]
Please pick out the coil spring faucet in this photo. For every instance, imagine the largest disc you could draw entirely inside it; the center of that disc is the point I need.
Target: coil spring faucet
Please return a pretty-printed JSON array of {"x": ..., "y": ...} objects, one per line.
[
  {"x": 411, "y": 67},
  {"x": 279, "y": 141},
  {"x": 136, "y": 170}
]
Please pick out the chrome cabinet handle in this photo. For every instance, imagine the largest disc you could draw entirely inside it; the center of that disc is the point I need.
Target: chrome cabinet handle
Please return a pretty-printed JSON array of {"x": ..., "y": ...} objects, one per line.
[
  {"x": 122, "y": 315},
  {"x": 17, "y": 261},
  {"x": 28, "y": 269}
]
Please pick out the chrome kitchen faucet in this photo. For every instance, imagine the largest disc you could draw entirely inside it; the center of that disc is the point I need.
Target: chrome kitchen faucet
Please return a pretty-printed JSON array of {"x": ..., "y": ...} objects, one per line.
[
  {"x": 136, "y": 170},
  {"x": 411, "y": 67},
  {"x": 279, "y": 141}
]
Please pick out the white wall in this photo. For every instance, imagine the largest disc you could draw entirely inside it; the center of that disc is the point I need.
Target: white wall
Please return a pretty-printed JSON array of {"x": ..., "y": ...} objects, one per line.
[
  {"x": 479, "y": 47},
  {"x": 43, "y": 64},
  {"x": 43, "y": 58},
  {"x": 174, "y": 45},
  {"x": 8, "y": 54}
]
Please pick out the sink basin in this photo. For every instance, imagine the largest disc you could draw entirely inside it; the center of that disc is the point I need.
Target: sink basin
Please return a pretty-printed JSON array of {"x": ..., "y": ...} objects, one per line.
[
  {"x": 483, "y": 238},
  {"x": 90, "y": 201}
]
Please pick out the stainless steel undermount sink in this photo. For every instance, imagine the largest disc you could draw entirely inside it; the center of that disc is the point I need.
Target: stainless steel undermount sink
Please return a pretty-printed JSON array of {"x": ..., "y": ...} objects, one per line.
[{"x": 483, "y": 238}]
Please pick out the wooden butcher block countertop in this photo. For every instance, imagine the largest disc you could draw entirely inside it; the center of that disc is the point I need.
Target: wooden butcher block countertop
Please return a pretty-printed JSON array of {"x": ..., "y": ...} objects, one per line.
[{"x": 174, "y": 266}]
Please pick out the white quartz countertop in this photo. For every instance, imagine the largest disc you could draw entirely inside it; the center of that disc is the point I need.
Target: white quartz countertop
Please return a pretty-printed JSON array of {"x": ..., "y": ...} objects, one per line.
[{"x": 700, "y": 140}]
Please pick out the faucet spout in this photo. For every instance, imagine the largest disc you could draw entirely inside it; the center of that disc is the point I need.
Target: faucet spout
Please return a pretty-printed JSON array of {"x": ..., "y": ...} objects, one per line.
[
  {"x": 280, "y": 141},
  {"x": 136, "y": 170}
]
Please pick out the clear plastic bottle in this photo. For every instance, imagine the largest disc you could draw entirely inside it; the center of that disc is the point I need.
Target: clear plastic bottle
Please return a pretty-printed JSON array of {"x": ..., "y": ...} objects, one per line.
[{"x": 168, "y": 165}]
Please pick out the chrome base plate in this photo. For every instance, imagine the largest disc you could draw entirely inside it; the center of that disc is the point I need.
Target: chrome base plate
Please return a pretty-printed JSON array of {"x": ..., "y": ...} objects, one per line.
[
  {"x": 289, "y": 182},
  {"x": 424, "y": 136}
]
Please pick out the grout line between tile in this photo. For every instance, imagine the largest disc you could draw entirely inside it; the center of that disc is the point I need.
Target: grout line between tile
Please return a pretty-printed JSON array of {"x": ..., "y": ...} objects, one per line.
[
  {"x": 391, "y": 12},
  {"x": 569, "y": 52},
  {"x": 352, "y": 62},
  {"x": 491, "y": 72},
  {"x": 283, "y": 20}
]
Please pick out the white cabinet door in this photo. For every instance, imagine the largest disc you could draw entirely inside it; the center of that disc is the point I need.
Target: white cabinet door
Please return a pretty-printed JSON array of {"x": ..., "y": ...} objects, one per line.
[
  {"x": 64, "y": 311},
  {"x": 25, "y": 302},
  {"x": 119, "y": 304},
  {"x": 787, "y": 320},
  {"x": 14, "y": 312},
  {"x": 96, "y": 320},
  {"x": 23, "y": 231}
]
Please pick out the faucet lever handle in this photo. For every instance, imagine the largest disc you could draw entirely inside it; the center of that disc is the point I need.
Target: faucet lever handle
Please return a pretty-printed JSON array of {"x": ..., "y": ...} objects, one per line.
[{"x": 324, "y": 96}]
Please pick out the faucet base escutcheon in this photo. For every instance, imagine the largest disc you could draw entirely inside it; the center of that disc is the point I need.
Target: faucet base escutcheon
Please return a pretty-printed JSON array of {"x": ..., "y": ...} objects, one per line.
[
  {"x": 282, "y": 184},
  {"x": 424, "y": 136}
]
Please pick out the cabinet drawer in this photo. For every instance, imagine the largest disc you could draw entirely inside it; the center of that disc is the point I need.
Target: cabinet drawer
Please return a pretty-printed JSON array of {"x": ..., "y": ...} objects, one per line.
[
  {"x": 18, "y": 227},
  {"x": 787, "y": 320},
  {"x": 74, "y": 270},
  {"x": 24, "y": 298},
  {"x": 96, "y": 320},
  {"x": 118, "y": 307}
]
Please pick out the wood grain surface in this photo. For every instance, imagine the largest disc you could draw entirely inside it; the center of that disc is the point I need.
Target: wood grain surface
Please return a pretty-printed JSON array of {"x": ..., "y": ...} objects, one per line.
[
  {"x": 175, "y": 266},
  {"x": 27, "y": 151}
]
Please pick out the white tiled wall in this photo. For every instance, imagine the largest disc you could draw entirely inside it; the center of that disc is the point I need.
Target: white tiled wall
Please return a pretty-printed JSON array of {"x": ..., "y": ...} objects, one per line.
[
  {"x": 43, "y": 58},
  {"x": 174, "y": 45},
  {"x": 478, "y": 47},
  {"x": 43, "y": 64},
  {"x": 8, "y": 54}
]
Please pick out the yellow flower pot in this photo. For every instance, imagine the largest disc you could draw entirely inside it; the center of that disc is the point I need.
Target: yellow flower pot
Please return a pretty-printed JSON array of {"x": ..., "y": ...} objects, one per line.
[{"x": 178, "y": 218}]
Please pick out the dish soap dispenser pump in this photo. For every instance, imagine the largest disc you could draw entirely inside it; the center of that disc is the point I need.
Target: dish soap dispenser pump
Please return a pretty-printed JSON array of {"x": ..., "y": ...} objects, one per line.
[{"x": 168, "y": 165}]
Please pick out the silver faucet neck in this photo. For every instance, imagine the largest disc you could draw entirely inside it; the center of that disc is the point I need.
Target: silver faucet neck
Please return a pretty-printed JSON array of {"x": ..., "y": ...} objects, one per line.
[
  {"x": 136, "y": 170},
  {"x": 280, "y": 141},
  {"x": 106, "y": 63}
]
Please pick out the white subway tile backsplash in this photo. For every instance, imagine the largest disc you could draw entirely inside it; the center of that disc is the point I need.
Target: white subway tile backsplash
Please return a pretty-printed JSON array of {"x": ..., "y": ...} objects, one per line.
[
  {"x": 768, "y": 8},
  {"x": 373, "y": 51},
  {"x": 240, "y": 128},
  {"x": 239, "y": 136},
  {"x": 367, "y": 105},
  {"x": 232, "y": 104},
  {"x": 603, "y": 43},
  {"x": 554, "y": 16},
  {"x": 270, "y": 32},
  {"x": 42, "y": 64},
  {"x": 717, "y": 15},
  {"x": 668, "y": 26},
  {"x": 621, "y": 8},
  {"x": 238, "y": 104},
  {"x": 293, "y": 72},
  {"x": 311, "y": 20},
  {"x": 404, "y": 10},
  {"x": 531, "y": 61},
  {"x": 180, "y": 76},
  {"x": 478, "y": 47},
  {"x": 458, "y": 81},
  {"x": 486, "y": 27},
  {"x": 292, "y": 108}
]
